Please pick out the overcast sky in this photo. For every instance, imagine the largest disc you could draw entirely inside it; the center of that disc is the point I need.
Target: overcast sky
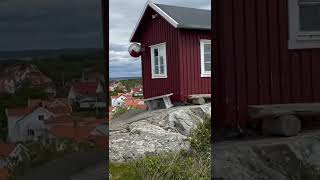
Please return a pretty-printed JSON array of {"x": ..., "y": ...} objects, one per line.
[
  {"x": 124, "y": 15},
  {"x": 50, "y": 24}
]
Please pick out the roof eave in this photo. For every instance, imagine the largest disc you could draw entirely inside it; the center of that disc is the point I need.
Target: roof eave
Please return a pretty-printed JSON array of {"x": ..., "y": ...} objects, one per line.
[{"x": 149, "y": 3}]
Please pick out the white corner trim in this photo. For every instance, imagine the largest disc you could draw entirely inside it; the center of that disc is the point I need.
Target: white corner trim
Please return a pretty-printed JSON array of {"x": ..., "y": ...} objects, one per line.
[{"x": 159, "y": 11}]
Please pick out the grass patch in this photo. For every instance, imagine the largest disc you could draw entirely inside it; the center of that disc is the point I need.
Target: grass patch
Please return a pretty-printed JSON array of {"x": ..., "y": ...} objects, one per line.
[{"x": 124, "y": 171}]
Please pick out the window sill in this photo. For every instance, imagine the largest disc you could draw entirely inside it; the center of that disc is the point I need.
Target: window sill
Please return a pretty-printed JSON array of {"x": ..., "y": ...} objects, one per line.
[
  {"x": 159, "y": 77},
  {"x": 205, "y": 75}
]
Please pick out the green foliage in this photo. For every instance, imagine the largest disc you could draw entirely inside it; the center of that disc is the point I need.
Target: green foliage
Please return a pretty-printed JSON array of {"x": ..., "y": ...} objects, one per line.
[
  {"x": 124, "y": 171},
  {"x": 131, "y": 83},
  {"x": 68, "y": 67},
  {"x": 119, "y": 111},
  {"x": 310, "y": 172},
  {"x": 165, "y": 166},
  {"x": 200, "y": 138}
]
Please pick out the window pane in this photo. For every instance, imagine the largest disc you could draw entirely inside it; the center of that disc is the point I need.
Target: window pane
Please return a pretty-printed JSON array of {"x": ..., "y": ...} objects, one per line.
[
  {"x": 309, "y": 16},
  {"x": 207, "y": 48},
  {"x": 161, "y": 60},
  {"x": 156, "y": 52},
  {"x": 156, "y": 69},
  {"x": 161, "y": 51},
  {"x": 161, "y": 69},
  {"x": 156, "y": 60},
  {"x": 207, "y": 66},
  {"x": 207, "y": 57}
]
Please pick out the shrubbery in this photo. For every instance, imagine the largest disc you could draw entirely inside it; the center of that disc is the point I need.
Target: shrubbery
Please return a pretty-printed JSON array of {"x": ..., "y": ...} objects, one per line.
[{"x": 200, "y": 138}]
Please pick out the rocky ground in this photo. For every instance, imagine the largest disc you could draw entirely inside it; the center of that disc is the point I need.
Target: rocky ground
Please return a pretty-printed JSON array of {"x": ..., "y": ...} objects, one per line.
[
  {"x": 152, "y": 132},
  {"x": 268, "y": 158}
]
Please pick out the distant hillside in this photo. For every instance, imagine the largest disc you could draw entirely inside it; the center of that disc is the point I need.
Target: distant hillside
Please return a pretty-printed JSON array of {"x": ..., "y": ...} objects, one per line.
[
  {"x": 123, "y": 78},
  {"x": 10, "y": 56}
]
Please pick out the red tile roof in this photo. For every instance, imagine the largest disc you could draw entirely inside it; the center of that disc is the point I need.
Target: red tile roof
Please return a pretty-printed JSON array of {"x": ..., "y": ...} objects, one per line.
[
  {"x": 6, "y": 149},
  {"x": 59, "y": 110},
  {"x": 137, "y": 89},
  {"x": 68, "y": 120},
  {"x": 85, "y": 88},
  {"x": 136, "y": 103},
  {"x": 72, "y": 133}
]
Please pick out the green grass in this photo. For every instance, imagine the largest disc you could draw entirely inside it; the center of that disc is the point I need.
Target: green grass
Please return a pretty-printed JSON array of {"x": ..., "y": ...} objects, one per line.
[
  {"x": 173, "y": 166},
  {"x": 124, "y": 171}
]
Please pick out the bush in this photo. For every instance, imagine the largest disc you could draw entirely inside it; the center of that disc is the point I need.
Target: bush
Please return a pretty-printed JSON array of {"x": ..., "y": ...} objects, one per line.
[{"x": 200, "y": 138}]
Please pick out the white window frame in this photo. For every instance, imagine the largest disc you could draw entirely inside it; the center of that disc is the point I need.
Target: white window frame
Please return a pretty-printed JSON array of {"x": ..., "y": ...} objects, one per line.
[
  {"x": 300, "y": 39},
  {"x": 203, "y": 72},
  {"x": 152, "y": 48}
]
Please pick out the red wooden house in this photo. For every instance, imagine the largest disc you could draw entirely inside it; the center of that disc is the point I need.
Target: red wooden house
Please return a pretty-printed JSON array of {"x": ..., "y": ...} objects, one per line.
[
  {"x": 268, "y": 52},
  {"x": 176, "y": 57}
]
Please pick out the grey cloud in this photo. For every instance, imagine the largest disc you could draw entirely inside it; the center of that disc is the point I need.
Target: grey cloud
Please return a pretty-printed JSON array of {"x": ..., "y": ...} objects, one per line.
[
  {"x": 124, "y": 15},
  {"x": 50, "y": 24}
]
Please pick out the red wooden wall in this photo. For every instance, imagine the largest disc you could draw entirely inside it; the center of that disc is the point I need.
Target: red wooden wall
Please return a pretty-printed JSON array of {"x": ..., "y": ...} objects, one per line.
[
  {"x": 254, "y": 65},
  {"x": 191, "y": 81},
  {"x": 157, "y": 31},
  {"x": 183, "y": 59}
]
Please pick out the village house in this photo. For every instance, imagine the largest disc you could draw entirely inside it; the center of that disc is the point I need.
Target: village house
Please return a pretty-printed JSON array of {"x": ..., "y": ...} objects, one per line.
[
  {"x": 117, "y": 101},
  {"x": 66, "y": 128},
  {"x": 87, "y": 95},
  {"x": 137, "y": 91},
  {"x": 28, "y": 123},
  {"x": 176, "y": 51},
  {"x": 13, "y": 77},
  {"x": 133, "y": 103},
  {"x": 117, "y": 86},
  {"x": 10, "y": 154}
]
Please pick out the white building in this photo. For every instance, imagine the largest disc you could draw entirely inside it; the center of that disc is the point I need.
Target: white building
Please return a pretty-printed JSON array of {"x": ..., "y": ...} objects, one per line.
[
  {"x": 11, "y": 154},
  {"x": 27, "y": 124}
]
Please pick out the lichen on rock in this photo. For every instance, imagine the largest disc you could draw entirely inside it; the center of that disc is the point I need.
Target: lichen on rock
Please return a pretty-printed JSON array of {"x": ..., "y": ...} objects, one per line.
[{"x": 158, "y": 131}]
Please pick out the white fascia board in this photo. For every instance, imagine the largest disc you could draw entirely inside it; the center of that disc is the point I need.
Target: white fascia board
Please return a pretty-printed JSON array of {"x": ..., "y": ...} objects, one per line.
[{"x": 173, "y": 22}]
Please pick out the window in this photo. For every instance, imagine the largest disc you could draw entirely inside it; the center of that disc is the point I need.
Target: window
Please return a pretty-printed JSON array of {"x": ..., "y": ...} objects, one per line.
[
  {"x": 304, "y": 24},
  {"x": 158, "y": 61},
  {"x": 30, "y": 132},
  {"x": 205, "y": 48},
  {"x": 41, "y": 117}
]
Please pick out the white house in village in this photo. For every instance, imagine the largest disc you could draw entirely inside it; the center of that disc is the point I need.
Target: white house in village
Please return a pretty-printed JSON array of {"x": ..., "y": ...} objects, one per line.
[
  {"x": 11, "y": 154},
  {"x": 27, "y": 126},
  {"x": 87, "y": 95},
  {"x": 117, "y": 101}
]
